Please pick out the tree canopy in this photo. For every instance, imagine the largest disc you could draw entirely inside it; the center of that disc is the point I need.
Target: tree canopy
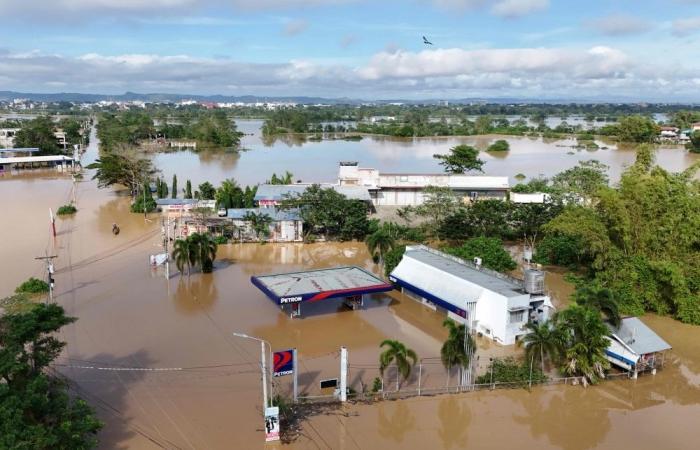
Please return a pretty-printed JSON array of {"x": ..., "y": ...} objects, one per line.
[
  {"x": 122, "y": 166},
  {"x": 36, "y": 411},
  {"x": 461, "y": 159}
]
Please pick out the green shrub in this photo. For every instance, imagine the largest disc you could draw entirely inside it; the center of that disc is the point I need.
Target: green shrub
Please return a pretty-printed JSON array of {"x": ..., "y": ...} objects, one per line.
[
  {"x": 137, "y": 206},
  {"x": 220, "y": 240},
  {"x": 376, "y": 385},
  {"x": 490, "y": 250},
  {"x": 508, "y": 370},
  {"x": 33, "y": 286},
  {"x": 66, "y": 210},
  {"x": 500, "y": 145}
]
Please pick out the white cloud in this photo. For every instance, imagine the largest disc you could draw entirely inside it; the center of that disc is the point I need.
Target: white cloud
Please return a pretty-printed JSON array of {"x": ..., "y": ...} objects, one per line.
[
  {"x": 685, "y": 27},
  {"x": 518, "y": 8},
  {"x": 619, "y": 25},
  {"x": 532, "y": 72}
]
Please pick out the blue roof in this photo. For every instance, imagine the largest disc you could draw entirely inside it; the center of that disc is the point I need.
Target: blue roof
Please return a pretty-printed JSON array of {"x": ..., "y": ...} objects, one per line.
[
  {"x": 19, "y": 150},
  {"x": 277, "y": 215},
  {"x": 176, "y": 201}
]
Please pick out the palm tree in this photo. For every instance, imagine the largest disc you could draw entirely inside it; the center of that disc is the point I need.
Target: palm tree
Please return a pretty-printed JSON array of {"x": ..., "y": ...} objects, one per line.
[
  {"x": 380, "y": 242},
  {"x": 205, "y": 250},
  {"x": 182, "y": 254},
  {"x": 456, "y": 351},
  {"x": 584, "y": 336},
  {"x": 541, "y": 341},
  {"x": 399, "y": 354},
  {"x": 259, "y": 222},
  {"x": 601, "y": 300}
]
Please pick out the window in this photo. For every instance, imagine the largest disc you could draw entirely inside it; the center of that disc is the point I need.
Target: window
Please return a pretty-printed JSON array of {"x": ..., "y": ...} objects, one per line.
[
  {"x": 403, "y": 178},
  {"x": 516, "y": 316}
]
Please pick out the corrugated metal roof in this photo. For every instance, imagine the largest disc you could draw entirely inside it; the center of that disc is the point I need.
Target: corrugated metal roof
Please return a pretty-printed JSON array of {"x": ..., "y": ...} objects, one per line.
[
  {"x": 277, "y": 192},
  {"x": 636, "y": 335},
  {"x": 317, "y": 281},
  {"x": 175, "y": 201},
  {"x": 278, "y": 215}
]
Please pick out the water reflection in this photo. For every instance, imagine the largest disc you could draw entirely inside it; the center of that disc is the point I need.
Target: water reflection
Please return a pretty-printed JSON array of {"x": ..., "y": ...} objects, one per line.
[
  {"x": 455, "y": 418},
  {"x": 394, "y": 426}
]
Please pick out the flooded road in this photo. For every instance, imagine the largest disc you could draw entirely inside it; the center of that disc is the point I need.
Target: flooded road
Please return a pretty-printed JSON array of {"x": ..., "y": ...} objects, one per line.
[{"x": 131, "y": 317}]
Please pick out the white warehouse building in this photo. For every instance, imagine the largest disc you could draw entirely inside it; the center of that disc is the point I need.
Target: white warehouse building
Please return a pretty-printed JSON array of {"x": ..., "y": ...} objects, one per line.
[{"x": 491, "y": 303}]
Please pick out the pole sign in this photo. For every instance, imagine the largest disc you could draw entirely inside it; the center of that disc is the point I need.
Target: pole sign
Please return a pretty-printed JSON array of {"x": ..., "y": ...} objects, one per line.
[
  {"x": 272, "y": 424},
  {"x": 283, "y": 363}
]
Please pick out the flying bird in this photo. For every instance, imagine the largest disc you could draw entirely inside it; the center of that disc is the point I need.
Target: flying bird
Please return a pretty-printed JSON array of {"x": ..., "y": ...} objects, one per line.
[{"x": 426, "y": 41}]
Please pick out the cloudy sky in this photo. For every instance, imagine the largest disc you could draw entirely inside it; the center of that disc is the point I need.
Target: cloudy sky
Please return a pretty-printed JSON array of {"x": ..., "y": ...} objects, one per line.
[{"x": 538, "y": 49}]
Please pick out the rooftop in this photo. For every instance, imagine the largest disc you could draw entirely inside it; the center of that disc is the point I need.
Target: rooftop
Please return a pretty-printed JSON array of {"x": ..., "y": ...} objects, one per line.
[
  {"x": 277, "y": 192},
  {"x": 29, "y": 159},
  {"x": 175, "y": 201},
  {"x": 275, "y": 214},
  {"x": 639, "y": 337},
  {"x": 333, "y": 282},
  {"x": 486, "y": 278}
]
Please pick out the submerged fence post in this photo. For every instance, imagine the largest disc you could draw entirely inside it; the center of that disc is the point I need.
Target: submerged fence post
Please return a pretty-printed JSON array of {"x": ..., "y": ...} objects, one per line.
[
  {"x": 420, "y": 373},
  {"x": 343, "y": 374}
]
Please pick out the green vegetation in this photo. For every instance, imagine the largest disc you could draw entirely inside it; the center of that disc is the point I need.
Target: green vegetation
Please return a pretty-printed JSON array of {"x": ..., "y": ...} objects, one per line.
[
  {"x": 197, "y": 250},
  {"x": 36, "y": 411},
  {"x": 39, "y": 133},
  {"x": 206, "y": 191},
  {"x": 188, "y": 189},
  {"x": 461, "y": 159},
  {"x": 490, "y": 250},
  {"x": 287, "y": 178},
  {"x": 143, "y": 201},
  {"x": 455, "y": 350},
  {"x": 329, "y": 213},
  {"x": 392, "y": 258},
  {"x": 694, "y": 144},
  {"x": 174, "y": 185},
  {"x": 381, "y": 242},
  {"x": 33, "y": 286},
  {"x": 65, "y": 210},
  {"x": 208, "y": 128},
  {"x": 500, "y": 145},
  {"x": 230, "y": 195},
  {"x": 508, "y": 370},
  {"x": 640, "y": 240},
  {"x": 637, "y": 129},
  {"x": 122, "y": 166},
  {"x": 260, "y": 224},
  {"x": 397, "y": 353}
]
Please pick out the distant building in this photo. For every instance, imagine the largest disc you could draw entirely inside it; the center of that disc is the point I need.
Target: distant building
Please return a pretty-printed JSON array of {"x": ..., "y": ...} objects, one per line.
[
  {"x": 61, "y": 163},
  {"x": 669, "y": 132},
  {"x": 535, "y": 197},
  {"x": 403, "y": 189},
  {"x": 272, "y": 194},
  {"x": 695, "y": 127},
  {"x": 7, "y": 137},
  {"x": 634, "y": 346},
  {"x": 491, "y": 303},
  {"x": 183, "y": 206}
]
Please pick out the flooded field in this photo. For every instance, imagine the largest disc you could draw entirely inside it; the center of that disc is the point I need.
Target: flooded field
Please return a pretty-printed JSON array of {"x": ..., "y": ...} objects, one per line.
[
  {"x": 132, "y": 317},
  {"x": 318, "y": 161}
]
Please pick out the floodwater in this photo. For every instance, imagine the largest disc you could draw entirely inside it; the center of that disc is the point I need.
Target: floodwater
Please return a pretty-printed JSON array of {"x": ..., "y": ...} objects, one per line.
[
  {"x": 318, "y": 161},
  {"x": 131, "y": 317}
]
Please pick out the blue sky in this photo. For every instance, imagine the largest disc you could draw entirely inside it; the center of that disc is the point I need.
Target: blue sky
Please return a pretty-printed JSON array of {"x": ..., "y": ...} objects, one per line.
[{"x": 613, "y": 49}]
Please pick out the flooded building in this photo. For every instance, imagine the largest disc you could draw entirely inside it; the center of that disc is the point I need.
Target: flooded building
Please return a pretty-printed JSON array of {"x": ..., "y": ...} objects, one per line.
[
  {"x": 183, "y": 206},
  {"x": 404, "y": 189},
  {"x": 269, "y": 195},
  {"x": 238, "y": 225},
  {"x": 491, "y": 303},
  {"x": 634, "y": 346},
  {"x": 62, "y": 163},
  {"x": 7, "y": 136}
]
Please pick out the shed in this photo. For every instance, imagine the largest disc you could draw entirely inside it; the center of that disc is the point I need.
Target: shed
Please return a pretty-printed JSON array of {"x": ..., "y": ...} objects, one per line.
[{"x": 634, "y": 346}]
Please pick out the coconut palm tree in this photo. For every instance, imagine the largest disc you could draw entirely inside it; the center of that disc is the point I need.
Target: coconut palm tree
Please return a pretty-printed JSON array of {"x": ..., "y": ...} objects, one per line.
[
  {"x": 183, "y": 255},
  {"x": 541, "y": 342},
  {"x": 456, "y": 351},
  {"x": 205, "y": 251},
  {"x": 259, "y": 223},
  {"x": 584, "y": 336},
  {"x": 600, "y": 299},
  {"x": 380, "y": 243},
  {"x": 400, "y": 355}
]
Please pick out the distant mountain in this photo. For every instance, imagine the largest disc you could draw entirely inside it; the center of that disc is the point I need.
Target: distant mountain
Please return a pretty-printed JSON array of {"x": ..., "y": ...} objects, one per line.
[{"x": 304, "y": 100}]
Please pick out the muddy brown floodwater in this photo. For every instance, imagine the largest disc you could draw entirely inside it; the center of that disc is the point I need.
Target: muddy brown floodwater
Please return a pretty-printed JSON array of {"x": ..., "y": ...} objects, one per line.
[{"x": 131, "y": 317}]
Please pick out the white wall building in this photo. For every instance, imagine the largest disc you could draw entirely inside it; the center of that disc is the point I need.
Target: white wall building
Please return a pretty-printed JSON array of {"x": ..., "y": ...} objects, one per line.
[
  {"x": 402, "y": 189},
  {"x": 494, "y": 304}
]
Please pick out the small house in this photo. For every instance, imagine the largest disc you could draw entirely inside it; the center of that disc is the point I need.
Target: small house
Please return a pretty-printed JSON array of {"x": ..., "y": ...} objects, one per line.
[{"x": 634, "y": 346}]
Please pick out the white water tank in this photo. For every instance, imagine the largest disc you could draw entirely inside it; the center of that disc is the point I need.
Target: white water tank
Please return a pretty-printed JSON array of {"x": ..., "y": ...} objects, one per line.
[
  {"x": 477, "y": 262},
  {"x": 534, "y": 281}
]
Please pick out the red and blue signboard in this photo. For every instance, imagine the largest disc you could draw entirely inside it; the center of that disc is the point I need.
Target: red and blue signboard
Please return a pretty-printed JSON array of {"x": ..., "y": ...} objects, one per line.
[{"x": 283, "y": 363}]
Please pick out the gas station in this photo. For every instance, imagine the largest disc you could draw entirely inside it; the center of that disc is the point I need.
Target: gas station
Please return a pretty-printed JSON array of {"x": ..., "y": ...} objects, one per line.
[{"x": 290, "y": 290}]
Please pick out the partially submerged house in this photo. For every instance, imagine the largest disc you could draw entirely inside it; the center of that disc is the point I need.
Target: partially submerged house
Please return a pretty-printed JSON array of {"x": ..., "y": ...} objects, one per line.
[
  {"x": 183, "y": 206},
  {"x": 404, "y": 189},
  {"x": 491, "y": 303},
  {"x": 238, "y": 224},
  {"x": 635, "y": 347}
]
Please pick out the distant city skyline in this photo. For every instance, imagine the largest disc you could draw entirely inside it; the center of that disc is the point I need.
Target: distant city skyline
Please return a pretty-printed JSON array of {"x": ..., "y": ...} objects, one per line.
[{"x": 620, "y": 50}]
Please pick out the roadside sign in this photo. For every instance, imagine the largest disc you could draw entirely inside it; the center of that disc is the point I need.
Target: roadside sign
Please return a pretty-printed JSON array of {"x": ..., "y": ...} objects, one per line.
[
  {"x": 272, "y": 424},
  {"x": 283, "y": 363}
]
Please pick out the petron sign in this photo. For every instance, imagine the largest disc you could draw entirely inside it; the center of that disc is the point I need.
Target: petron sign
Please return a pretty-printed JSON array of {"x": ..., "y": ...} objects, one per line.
[
  {"x": 285, "y": 300},
  {"x": 283, "y": 363}
]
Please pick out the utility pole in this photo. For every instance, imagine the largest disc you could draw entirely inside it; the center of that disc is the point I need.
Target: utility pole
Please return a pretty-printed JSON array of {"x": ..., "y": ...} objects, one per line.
[
  {"x": 167, "y": 249},
  {"x": 49, "y": 274}
]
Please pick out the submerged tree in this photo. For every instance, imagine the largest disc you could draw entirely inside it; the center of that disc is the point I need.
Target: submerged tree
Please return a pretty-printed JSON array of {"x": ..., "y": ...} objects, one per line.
[
  {"x": 455, "y": 351},
  {"x": 122, "y": 166},
  {"x": 380, "y": 243},
  {"x": 542, "y": 342},
  {"x": 174, "y": 189},
  {"x": 198, "y": 249},
  {"x": 599, "y": 299},
  {"x": 584, "y": 341},
  {"x": 461, "y": 159}
]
